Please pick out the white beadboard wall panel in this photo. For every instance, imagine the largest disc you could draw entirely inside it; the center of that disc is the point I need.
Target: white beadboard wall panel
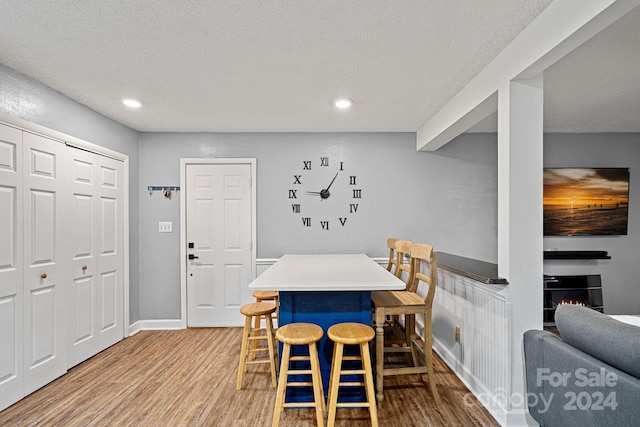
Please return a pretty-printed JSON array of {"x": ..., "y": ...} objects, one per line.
[
  {"x": 481, "y": 358},
  {"x": 263, "y": 263}
]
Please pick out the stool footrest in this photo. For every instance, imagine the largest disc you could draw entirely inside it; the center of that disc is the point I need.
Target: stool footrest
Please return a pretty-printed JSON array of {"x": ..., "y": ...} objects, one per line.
[
  {"x": 405, "y": 371},
  {"x": 257, "y": 362},
  {"x": 352, "y": 384},
  {"x": 353, "y": 371},
  {"x": 298, "y": 371},
  {"x": 299, "y": 405},
  {"x": 351, "y": 358},
  {"x": 397, "y": 349},
  {"x": 299, "y": 358},
  {"x": 258, "y": 337},
  {"x": 300, "y": 384},
  {"x": 353, "y": 405}
]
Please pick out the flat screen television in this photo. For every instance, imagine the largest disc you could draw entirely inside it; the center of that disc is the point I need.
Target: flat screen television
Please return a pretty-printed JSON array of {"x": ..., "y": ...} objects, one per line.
[{"x": 586, "y": 201}]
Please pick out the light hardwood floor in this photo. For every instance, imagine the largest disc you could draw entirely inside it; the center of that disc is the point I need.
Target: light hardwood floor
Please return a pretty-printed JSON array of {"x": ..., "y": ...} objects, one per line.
[{"x": 187, "y": 378}]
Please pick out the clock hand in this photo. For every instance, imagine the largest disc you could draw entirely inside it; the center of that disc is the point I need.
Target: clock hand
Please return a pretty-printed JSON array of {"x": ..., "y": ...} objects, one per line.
[
  {"x": 324, "y": 194},
  {"x": 334, "y": 178}
]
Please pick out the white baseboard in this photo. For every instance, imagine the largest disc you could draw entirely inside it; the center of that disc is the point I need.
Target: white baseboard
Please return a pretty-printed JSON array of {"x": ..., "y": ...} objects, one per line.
[{"x": 159, "y": 324}]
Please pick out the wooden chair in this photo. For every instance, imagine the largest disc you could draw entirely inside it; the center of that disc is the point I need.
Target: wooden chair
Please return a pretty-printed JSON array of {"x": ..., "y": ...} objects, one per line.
[
  {"x": 250, "y": 334},
  {"x": 351, "y": 334},
  {"x": 391, "y": 264},
  {"x": 408, "y": 303},
  {"x": 401, "y": 249},
  {"x": 300, "y": 334}
]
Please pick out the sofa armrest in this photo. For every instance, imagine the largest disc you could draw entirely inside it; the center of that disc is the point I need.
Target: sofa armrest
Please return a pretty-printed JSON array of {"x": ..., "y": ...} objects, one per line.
[
  {"x": 567, "y": 387},
  {"x": 601, "y": 336}
]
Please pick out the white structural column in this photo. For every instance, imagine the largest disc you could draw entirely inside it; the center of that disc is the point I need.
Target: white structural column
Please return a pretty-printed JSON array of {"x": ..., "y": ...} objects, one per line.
[{"x": 520, "y": 107}]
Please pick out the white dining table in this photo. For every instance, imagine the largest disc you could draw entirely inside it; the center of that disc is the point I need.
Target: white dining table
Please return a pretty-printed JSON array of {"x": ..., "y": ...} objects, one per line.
[
  {"x": 326, "y": 272},
  {"x": 325, "y": 289}
]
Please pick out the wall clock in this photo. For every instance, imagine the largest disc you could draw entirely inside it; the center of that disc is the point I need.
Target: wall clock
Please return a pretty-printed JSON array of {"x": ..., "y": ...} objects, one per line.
[{"x": 324, "y": 194}]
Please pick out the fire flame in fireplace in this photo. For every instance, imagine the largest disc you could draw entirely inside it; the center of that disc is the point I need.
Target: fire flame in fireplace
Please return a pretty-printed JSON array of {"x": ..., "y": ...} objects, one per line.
[{"x": 569, "y": 301}]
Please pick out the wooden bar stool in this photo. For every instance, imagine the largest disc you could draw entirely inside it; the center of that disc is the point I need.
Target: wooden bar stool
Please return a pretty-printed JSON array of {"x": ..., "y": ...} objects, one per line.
[
  {"x": 351, "y": 334},
  {"x": 262, "y": 296},
  {"x": 251, "y": 334},
  {"x": 300, "y": 334}
]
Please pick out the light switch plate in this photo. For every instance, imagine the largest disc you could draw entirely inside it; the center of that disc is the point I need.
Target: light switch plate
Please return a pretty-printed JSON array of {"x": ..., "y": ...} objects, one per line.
[{"x": 165, "y": 227}]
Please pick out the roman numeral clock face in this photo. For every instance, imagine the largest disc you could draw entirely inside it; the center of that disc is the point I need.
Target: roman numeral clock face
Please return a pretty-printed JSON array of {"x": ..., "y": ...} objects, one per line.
[{"x": 324, "y": 194}]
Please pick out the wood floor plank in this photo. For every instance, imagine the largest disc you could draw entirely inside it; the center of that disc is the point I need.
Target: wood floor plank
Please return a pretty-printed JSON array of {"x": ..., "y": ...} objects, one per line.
[{"x": 187, "y": 378}]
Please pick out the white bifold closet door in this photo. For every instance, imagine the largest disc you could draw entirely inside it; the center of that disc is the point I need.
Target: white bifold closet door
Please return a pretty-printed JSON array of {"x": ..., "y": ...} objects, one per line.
[
  {"x": 96, "y": 254},
  {"x": 45, "y": 272},
  {"x": 11, "y": 267},
  {"x": 61, "y": 259}
]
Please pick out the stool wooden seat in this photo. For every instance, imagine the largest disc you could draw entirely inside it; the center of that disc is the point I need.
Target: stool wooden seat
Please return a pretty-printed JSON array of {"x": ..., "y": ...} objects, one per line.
[
  {"x": 300, "y": 334},
  {"x": 351, "y": 334},
  {"x": 252, "y": 334},
  {"x": 265, "y": 295},
  {"x": 262, "y": 296}
]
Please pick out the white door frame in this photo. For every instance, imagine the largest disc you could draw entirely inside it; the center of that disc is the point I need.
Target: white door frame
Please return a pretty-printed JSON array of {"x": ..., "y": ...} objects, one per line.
[
  {"x": 88, "y": 146},
  {"x": 183, "y": 220}
]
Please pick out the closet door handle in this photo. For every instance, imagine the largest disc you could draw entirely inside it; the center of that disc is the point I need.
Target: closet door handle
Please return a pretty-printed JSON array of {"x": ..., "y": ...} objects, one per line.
[
  {"x": 84, "y": 268},
  {"x": 43, "y": 276}
]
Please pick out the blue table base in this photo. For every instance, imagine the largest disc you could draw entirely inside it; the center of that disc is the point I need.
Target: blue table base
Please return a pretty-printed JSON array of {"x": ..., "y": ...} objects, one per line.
[{"x": 325, "y": 309}]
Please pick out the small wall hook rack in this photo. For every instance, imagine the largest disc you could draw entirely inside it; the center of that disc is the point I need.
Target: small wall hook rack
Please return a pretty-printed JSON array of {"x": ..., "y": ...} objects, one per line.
[{"x": 167, "y": 190}]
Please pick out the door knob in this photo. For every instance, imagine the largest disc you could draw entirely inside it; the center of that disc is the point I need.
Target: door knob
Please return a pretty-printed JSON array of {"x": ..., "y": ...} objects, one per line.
[
  {"x": 192, "y": 256},
  {"x": 43, "y": 276},
  {"x": 84, "y": 268}
]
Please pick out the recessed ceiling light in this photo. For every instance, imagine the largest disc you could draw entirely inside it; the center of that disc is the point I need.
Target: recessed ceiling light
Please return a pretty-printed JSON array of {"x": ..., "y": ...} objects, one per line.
[
  {"x": 132, "y": 103},
  {"x": 343, "y": 103}
]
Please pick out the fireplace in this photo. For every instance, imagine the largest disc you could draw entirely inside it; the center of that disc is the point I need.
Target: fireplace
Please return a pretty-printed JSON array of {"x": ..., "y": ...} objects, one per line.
[{"x": 584, "y": 290}]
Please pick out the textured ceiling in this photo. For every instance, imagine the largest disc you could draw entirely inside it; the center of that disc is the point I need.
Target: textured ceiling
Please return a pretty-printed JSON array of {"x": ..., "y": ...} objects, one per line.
[{"x": 264, "y": 66}]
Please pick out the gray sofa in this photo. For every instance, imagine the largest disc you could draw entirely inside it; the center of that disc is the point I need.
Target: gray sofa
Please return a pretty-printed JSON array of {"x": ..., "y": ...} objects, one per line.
[{"x": 589, "y": 377}]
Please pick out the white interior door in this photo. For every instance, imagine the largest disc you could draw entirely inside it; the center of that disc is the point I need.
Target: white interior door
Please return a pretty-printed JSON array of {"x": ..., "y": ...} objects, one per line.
[
  {"x": 11, "y": 270},
  {"x": 219, "y": 239},
  {"x": 45, "y": 274},
  {"x": 110, "y": 273},
  {"x": 96, "y": 297},
  {"x": 83, "y": 237}
]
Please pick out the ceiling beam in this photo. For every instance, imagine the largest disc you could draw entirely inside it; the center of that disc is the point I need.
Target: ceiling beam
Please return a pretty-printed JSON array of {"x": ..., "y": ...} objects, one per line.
[{"x": 559, "y": 29}]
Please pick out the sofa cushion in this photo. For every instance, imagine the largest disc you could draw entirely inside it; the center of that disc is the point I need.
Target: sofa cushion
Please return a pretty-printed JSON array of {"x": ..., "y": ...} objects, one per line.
[{"x": 613, "y": 342}]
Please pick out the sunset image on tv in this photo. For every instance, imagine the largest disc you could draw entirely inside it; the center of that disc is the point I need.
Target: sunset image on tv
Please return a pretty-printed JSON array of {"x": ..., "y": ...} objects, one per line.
[{"x": 586, "y": 201}]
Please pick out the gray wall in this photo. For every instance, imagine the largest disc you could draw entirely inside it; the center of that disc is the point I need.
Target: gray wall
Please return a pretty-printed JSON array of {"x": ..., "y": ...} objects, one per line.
[
  {"x": 448, "y": 198},
  {"x": 30, "y": 100},
  {"x": 621, "y": 274}
]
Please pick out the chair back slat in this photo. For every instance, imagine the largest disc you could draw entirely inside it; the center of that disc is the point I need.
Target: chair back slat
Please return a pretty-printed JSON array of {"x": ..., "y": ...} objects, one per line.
[
  {"x": 391, "y": 264},
  {"x": 403, "y": 248},
  {"x": 424, "y": 255}
]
